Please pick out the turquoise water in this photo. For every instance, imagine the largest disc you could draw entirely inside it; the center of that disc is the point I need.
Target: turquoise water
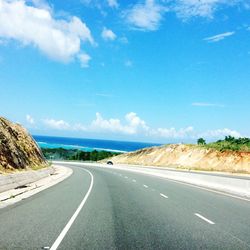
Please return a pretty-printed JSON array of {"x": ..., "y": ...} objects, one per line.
[
  {"x": 54, "y": 145},
  {"x": 65, "y": 146},
  {"x": 90, "y": 144}
]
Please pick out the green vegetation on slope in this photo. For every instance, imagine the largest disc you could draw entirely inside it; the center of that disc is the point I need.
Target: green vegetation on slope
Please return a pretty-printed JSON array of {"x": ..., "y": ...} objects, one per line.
[
  {"x": 229, "y": 143},
  {"x": 75, "y": 154}
]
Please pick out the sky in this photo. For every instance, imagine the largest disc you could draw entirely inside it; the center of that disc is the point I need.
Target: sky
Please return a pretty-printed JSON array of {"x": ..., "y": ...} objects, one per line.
[{"x": 155, "y": 71}]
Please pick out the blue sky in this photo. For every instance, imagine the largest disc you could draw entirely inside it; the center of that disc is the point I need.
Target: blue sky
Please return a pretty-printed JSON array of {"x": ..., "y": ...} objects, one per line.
[{"x": 160, "y": 71}]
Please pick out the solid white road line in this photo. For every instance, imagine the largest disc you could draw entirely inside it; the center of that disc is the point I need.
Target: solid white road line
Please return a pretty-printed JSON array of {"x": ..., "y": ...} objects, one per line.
[
  {"x": 145, "y": 186},
  {"x": 163, "y": 195},
  {"x": 72, "y": 219},
  {"x": 205, "y": 219}
]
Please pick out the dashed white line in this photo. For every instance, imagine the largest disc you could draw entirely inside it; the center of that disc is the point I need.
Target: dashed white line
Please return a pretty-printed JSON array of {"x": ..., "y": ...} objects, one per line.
[
  {"x": 206, "y": 189},
  {"x": 126, "y": 177},
  {"x": 134, "y": 180},
  {"x": 145, "y": 186},
  {"x": 205, "y": 219},
  {"x": 72, "y": 219},
  {"x": 163, "y": 195}
]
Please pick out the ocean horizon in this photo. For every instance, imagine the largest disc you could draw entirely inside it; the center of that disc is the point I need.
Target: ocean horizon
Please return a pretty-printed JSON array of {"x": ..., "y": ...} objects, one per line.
[{"x": 90, "y": 144}]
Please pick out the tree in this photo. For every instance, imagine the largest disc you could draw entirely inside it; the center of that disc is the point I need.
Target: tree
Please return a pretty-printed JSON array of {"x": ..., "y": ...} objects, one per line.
[
  {"x": 201, "y": 141},
  {"x": 229, "y": 138}
]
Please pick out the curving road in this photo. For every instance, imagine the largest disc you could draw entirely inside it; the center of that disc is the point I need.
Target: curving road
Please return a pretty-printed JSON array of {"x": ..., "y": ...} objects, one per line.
[{"x": 101, "y": 208}]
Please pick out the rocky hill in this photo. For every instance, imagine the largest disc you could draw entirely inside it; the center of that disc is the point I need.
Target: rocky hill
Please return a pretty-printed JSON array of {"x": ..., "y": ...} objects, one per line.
[
  {"x": 189, "y": 157},
  {"x": 18, "y": 150}
]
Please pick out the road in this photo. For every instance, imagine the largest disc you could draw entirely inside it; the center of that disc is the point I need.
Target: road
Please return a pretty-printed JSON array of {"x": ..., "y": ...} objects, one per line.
[{"x": 102, "y": 208}]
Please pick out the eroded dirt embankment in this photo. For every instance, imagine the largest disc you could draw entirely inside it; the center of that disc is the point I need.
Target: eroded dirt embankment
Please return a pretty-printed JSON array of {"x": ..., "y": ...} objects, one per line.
[
  {"x": 188, "y": 156},
  {"x": 18, "y": 150}
]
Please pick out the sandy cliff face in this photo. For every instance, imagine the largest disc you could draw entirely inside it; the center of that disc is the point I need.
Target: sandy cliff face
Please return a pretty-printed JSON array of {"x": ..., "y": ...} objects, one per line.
[
  {"x": 18, "y": 150},
  {"x": 188, "y": 156}
]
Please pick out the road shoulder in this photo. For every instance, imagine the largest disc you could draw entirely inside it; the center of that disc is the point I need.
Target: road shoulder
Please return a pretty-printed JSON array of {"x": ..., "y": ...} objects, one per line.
[{"x": 15, "y": 195}]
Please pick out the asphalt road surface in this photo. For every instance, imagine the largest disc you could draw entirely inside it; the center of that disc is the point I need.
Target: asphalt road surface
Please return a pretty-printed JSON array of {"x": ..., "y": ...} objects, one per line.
[{"x": 101, "y": 208}]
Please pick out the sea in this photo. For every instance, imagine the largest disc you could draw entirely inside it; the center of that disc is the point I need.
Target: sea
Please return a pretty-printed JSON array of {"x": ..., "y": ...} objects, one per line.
[{"x": 90, "y": 144}]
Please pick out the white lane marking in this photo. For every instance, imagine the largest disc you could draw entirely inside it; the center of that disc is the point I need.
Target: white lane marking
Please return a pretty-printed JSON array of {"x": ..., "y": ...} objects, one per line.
[
  {"x": 134, "y": 180},
  {"x": 145, "y": 186},
  {"x": 72, "y": 219},
  {"x": 205, "y": 219},
  {"x": 163, "y": 195},
  {"x": 195, "y": 186},
  {"x": 153, "y": 175},
  {"x": 126, "y": 177}
]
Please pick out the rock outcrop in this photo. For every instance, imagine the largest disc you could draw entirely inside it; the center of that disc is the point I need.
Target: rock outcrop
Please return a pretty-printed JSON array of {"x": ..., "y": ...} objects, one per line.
[
  {"x": 189, "y": 157},
  {"x": 18, "y": 150}
]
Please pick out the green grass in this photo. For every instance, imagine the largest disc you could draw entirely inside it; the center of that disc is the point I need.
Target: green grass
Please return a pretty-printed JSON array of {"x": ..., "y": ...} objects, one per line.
[{"x": 230, "y": 144}]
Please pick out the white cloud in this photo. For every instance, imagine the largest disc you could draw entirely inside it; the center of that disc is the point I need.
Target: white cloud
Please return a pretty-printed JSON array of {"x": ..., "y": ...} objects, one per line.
[
  {"x": 124, "y": 40},
  {"x": 203, "y": 8},
  {"x": 134, "y": 124},
  {"x": 146, "y": 17},
  {"x": 41, "y": 4},
  {"x": 173, "y": 132},
  {"x": 79, "y": 127},
  {"x": 135, "y": 121},
  {"x": 108, "y": 34},
  {"x": 30, "y": 119},
  {"x": 219, "y": 133},
  {"x": 56, "y": 124},
  {"x": 190, "y": 133},
  {"x": 219, "y": 37},
  {"x": 84, "y": 60},
  {"x": 59, "y": 39},
  {"x": 111, "y": 125},
  {"x": 112, "y": 3},
  {"x": 206, "y": 104}
]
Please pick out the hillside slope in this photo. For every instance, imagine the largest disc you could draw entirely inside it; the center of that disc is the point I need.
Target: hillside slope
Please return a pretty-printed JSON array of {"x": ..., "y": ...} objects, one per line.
[
  {"x": 188, "y": 156},
  {"x": 18, "y": 150}
]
